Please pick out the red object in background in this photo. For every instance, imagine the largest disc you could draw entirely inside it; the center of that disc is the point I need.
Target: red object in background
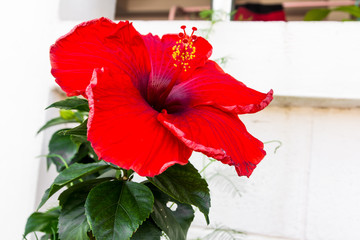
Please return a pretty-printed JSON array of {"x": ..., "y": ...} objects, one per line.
[{"x": 259, "y": 12}]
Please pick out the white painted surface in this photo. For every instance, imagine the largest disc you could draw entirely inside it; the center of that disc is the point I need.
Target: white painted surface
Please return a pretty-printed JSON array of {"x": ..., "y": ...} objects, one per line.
[
  {"x": 308, "y": 190},
  {"x": 334, "y": 189},
  {"x": 24, "y": 93},
  {"x": 221, "y": 10},
  {"x": 86, "y": 9}
]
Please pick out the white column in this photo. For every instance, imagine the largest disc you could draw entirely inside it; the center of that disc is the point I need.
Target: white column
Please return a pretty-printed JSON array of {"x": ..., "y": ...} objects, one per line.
[{"x": 222, "y": 9}]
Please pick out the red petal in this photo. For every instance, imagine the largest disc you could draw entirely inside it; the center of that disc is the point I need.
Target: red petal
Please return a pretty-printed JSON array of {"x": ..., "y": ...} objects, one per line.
[
  {"x": 216, "y": 134},
  {"x": 123, "y": 128},
  {"x": 209, "y": 85},
  {"x": 95, "y": 44}
]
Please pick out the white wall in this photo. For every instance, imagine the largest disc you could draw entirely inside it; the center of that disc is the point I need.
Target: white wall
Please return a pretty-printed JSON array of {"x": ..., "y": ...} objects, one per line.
[
  {"x": 308, "y": 190},
  {"x": 24, "y": 92}
]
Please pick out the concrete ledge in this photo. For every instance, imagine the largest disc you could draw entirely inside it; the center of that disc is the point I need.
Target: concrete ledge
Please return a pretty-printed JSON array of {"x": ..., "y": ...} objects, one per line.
[{"x": 314, "y": 102}]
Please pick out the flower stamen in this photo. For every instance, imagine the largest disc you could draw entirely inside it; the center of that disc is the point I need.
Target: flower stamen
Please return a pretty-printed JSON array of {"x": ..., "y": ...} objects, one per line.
[{"x": 184, "y": 49}]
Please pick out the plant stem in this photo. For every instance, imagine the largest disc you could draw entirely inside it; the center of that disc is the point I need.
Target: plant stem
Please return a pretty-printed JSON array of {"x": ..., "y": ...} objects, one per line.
[
  {"x": 276, "y": 141},
  {"x": 207, "y": 165}
]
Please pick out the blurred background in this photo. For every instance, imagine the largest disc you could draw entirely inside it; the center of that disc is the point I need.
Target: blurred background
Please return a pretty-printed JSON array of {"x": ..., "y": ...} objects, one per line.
[
  {"x": 306, "y": 188},
  {"x": 240, "y": 10}
]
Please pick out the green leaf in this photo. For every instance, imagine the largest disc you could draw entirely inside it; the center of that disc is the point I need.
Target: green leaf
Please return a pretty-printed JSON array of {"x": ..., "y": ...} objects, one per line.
[
  {"x": 43, "y": 222},
  {"x": 63, "y": 146},
  {"x": 73, "y": 224},
  {"x": 185, "y": 184},
  {"x": 67, "y": 114},
  {"x": 74, "y": 115},
  {"x": 82, "y": 155},
  {"x": 147, "y": 231},
  {"x": 175, "y": 223},
  {"x": 83, "y": 186},
  {"x": 80, "y": 116},
  {"x": 206, "y": 14},
  {"x": 116, "y": 209},
  {"x": 54, "y": 122},
  {"x": 317, "y": 14},
  {"x": 79, "y": 139},
  {"x": 71, "y": 103},
  {"x": 74, "y": 172},
  {"x": 79, "y": 136},
  {"x": 80, "y": 130},
  {"x": 85, "y": 145},
  {"x": 352, "y": 10},
  {"x": 72, "y": 221}
]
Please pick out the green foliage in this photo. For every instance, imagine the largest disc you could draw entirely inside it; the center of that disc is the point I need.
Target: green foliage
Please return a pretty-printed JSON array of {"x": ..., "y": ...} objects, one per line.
[
  {"x": 63, "y": 146},
  {"x": 73, "y": 223},
  {"x": 206, "y": 14},
  {"x": 321, "y": 13},
  {"x": 82, "y": 155},
  {"x": 184, "y": 183},
  {"x": 61, "y": 150},
  {"x": 352, "y": 10},
  {"x": 317, "y": 14},
  {"x": 101, "y": 201},
  {"x": 79, "y": 131},
  {"x": 72, "y": 110},
  {"x": 74, "y": 172},
  {"x": 43, "y": 222},
  {"x": 67, "y": 114},
  {"x": 116, "y": 209},
  {"x": 71, "y": 103},
  {"x": 147, "y": 231},
  {"x": 69, "y": 146},
  {"x": 175, "y": 223},
  {"x": 56, "y": 121}
]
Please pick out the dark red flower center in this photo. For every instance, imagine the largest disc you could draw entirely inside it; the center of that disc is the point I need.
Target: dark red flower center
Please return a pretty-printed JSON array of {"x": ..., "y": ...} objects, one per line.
[{"x": 182, "y": 53}]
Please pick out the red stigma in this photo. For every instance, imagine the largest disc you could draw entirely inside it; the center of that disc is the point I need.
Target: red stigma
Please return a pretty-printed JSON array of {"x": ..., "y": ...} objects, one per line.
[
  {"x": 194, "y": 29},
  {"x": 186, "y": 38}
]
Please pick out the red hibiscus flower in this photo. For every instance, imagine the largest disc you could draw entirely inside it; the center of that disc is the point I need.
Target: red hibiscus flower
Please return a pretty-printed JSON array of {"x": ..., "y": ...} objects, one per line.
[{"x": 153, "y": 101}]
